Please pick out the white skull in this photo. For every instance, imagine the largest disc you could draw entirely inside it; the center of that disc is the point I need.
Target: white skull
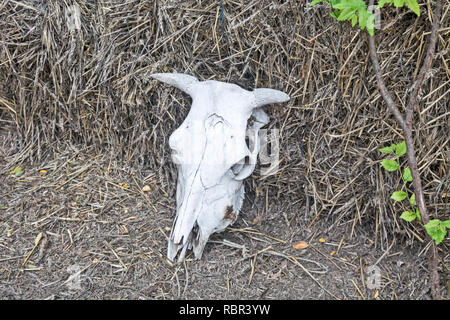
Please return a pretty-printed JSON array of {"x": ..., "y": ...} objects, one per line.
[{"x": 212, "y": 157}]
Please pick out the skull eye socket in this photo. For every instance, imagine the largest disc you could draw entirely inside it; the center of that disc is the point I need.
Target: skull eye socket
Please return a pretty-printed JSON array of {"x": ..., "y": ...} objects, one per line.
[
  {"x": 243, "y": 168},
  {"x": 237, "y": 167}
]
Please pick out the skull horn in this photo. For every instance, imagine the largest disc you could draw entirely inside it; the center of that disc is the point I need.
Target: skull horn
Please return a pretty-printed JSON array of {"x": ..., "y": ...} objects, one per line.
[
  {"x": 183, "y": 82},
  {"x": 266, "y": 96}
]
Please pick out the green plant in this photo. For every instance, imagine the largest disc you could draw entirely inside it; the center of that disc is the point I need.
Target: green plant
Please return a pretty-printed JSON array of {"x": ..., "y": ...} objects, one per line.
[
  {"x": 411, "y": 4},
  {"x": 436, "y": 228},
  {"x": 351, "y": 10},
  {"x": 356, "y": 11}
]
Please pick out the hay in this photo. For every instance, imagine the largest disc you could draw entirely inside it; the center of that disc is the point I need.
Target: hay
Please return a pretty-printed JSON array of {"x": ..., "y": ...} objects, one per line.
[{"x": 67, "y": 84}]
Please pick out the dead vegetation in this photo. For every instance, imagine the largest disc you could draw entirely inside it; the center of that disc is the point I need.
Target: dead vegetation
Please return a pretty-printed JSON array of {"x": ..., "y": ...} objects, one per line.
[{"x": 79, "y": 104}]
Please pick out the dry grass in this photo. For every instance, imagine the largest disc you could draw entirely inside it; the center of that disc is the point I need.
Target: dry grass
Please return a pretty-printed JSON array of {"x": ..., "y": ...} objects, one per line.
[{"x": 64, "y": 94}]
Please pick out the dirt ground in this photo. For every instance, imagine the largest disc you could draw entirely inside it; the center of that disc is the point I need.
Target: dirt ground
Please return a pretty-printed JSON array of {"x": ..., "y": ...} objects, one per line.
[
  {"x": 79, "y": 226},
  {"x": 88, "y": 125}
]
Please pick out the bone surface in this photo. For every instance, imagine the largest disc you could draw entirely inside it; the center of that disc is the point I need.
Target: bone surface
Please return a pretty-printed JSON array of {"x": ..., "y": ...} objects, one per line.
[{"x": 212, "y": 157}]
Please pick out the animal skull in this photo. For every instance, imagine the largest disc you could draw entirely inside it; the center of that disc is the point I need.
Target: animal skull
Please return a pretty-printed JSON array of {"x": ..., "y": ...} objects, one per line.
[{"x": 212, "y": 157}]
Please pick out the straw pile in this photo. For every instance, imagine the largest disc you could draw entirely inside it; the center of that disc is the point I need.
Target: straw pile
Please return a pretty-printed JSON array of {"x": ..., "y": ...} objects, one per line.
[{"x": 75, "y": 73}]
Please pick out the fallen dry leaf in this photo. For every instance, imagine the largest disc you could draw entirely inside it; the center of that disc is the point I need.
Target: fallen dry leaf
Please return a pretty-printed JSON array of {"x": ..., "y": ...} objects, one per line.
[
  {"x": 17, "y": 171},
  {"x": 43, "y": 171},
  {"x": 36, "y": 242},
  {"x": 38, "y": 238},
  {"x": 300, "y": 245},
  {"x": 322, "y": 240},
  {"x": 332, "y": 253},
  {"x": 146, "y": 188},
  {"x": 257, "y": 219},
  {"x": 376, "y": 294}
]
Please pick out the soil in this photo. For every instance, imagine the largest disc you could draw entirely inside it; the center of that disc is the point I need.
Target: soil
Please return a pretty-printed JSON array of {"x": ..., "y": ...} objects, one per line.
[{"x": 79, "y": 226}]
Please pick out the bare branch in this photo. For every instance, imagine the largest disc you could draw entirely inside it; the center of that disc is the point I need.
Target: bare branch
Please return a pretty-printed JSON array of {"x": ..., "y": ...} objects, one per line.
[
  {"x": 382, "y": 87},
  {"x": 426, "y": 64},
  {"x": 410, "y": 151}
]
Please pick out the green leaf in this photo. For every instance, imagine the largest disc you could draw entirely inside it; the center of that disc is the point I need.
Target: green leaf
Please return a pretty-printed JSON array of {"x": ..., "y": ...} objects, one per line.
[
  {"x": 408, "y": 216},
  {"x": 354, "y": 19},
  {"x": 436, "y": 230},
  {"x": 389, "y": 165},
  {"x": 334, "y": 14},
  {"x": 413, "y": 6},
  {"x": 399, "y": 3},
  {"x": 446, "y": 223},
  {"x": 346, "y": 14},
  {"x": 399, "y": 195},
  {"x": 389, "y": 149},
  {"x": 3, "y": 207},
  {"x": 400, "y": 149},
  {"x": 439, "y": 237},
  {"x": 407, "y": 177},
  {"x": 371, "y": 24},
  {"x": 16, "y": 170},
  {"x": 346, "y": 10},
  {"x": 419, "y": 217},
  {"x": 381, "y": 3},
  {"x": 432, "y": 224},
  {"x": 314, "y": 2},
  {"x": 412, "y": 200},
  {"x": 363, "y": 15},
  {"x": 341, "y": 5},
  {"x": 18, "y": 174}
]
